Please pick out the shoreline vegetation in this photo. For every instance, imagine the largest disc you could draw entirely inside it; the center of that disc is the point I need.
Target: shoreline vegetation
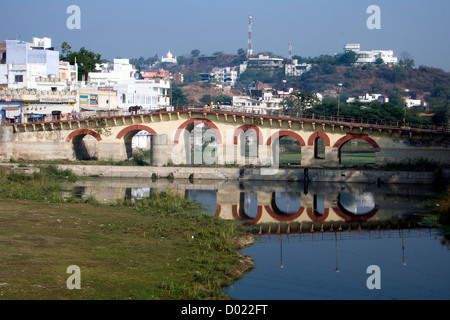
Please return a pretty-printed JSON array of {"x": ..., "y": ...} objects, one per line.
[{"x": 160, "y": 248}]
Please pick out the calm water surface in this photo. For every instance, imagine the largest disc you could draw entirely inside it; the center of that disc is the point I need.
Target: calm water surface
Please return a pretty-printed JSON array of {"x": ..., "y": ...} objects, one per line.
[{"x": 317, "y": 241}]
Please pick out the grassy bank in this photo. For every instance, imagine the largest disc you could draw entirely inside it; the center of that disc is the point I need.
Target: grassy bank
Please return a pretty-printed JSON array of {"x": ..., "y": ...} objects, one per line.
[{"x": 152, "y": 249}]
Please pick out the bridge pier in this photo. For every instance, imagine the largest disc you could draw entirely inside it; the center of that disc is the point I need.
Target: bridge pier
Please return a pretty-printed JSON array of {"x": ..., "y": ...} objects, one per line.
[
  {"x": 159, "y": 150},
  {"x": 6, "y": 146},
  {"x": 309, "y": 157}
]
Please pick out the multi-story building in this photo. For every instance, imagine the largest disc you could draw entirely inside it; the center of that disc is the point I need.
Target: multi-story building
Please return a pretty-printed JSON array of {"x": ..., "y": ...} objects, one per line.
[
  {"x": 146, "y": 94},
  {"x": 226, "y": 76},
  {"x": 24, "y": 62},
  {"x": 295, "y": 69},
  {"x": 265, "y": 62},
  {"x": 371, "y": 56}
]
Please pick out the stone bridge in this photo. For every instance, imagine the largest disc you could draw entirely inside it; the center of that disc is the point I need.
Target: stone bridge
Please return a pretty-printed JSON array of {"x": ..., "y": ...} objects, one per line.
[{"x": 172, "y": 135}]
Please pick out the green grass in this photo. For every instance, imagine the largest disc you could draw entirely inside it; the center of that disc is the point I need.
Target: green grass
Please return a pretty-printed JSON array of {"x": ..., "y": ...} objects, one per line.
[
  {"x": 357, "y": 158},
  {"x": 151, "y": 249}
]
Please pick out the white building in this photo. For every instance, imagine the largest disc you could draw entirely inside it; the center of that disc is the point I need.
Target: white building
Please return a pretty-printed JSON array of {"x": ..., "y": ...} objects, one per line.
[
  {"x": 295, "y": 69},
  {"x": 226, "y": 76},
  {"x": 261, "y": 106},
  {"x": 148, "y": 94},
  {"x": 371, "y": 56},
  {"x": 169, "y": 58},
  {"x": 368, "y": 98},
  {"x": 25, "y": 62}
]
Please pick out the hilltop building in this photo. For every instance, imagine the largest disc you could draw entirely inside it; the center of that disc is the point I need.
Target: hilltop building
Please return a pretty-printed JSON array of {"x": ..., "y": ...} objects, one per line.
[
  {"x": 295, "y": 69},
  {"x": 371, "y": 56},
  {"x": 169, "y": 58}
]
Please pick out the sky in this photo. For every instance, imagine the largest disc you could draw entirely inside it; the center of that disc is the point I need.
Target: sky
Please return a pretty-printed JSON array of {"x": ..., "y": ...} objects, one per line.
[{"x": 134, "y": 28}]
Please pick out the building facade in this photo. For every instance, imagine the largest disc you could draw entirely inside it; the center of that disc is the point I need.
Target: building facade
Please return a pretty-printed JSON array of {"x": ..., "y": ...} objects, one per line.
[
  {"x": 25, "y": 62},
  {"x": 371, "y": 56},
  {"x": 147, "y": 95}
]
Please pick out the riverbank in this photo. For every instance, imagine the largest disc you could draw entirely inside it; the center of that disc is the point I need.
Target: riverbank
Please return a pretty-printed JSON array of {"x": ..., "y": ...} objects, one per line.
[
  {"x": 160, "y": 248},
  {"x": 244, "y": 174}
]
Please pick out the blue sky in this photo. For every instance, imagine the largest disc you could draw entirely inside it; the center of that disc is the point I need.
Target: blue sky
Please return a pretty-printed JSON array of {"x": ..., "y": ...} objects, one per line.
[{"x": 136, "y": 28}]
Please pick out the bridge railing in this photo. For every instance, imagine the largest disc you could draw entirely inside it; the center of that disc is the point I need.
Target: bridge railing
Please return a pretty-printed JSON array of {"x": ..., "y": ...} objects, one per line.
[{"x": 257, "y": 112}]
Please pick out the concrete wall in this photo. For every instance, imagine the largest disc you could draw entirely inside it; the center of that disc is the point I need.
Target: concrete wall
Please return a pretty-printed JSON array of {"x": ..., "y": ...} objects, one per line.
[{"x": 241, "y": 174}]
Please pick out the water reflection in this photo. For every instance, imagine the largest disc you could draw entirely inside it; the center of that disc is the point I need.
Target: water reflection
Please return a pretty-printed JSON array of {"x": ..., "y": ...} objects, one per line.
[
  {"x": 282, "y": 206},
  {"x": 316, "y": 241}
]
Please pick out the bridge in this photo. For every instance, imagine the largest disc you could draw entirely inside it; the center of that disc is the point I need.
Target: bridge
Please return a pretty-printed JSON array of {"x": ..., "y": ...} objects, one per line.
[{"x": 173, "y": 135}]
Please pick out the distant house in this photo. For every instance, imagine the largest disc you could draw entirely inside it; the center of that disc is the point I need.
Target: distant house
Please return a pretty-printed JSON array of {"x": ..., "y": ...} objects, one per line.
[
  {"x": 371, "y": 56},
  {"x": 368, "y": 98},
  {"x": 295, "y": 69}
]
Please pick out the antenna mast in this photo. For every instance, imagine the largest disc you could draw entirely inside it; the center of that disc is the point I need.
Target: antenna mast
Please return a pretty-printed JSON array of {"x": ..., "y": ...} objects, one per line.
[
  {"x": 290, "y": 51},
  {"x": 250, "y": 45}
]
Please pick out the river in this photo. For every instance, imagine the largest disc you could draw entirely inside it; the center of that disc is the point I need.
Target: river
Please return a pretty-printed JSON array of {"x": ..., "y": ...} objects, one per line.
[{"x": 317, "y": 241}]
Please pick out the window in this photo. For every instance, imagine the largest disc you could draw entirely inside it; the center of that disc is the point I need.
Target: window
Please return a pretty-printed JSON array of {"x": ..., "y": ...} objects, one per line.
[{"x": 18, "y": 78}]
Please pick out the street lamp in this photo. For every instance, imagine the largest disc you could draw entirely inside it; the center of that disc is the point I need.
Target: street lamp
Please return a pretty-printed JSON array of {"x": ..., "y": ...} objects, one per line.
[{"x": 339, "y": 97}]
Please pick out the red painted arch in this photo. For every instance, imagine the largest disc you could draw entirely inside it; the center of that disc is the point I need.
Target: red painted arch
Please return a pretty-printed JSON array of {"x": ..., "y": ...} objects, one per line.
[
  {"x": 244, "y": 128},
  {"x": 205, "y": 121},
  {"x": 352, "y": 136},
  {"x": 352, "y": 218},
  {"x": 316, "y": 135},
  {"x": 283, "y": 133},
  {"x": 136, "y": 127},
  {"x": 284, "y": 218},
  {"x": 255, "y": 220},
  {"x": 321, "y": 218},
  {"x": 83, "y": 132}
]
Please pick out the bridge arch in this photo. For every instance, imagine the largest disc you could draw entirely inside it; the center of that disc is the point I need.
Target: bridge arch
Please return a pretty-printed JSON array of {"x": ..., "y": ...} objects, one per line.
[
  {"x": 352, "y": 136},
  {"x": 245, "y": 128},
  {"x": 356, "y": 149},
  {"x": 319, "y": 140},
  {"x": 83, "y": 132},
  {"x": 290, "y": 153},
  {"x": 134, "y": 129},
  {"x": 248, "y": 137},
  {"x": 129, "y": 133},
  {"x": 192, "y": 121},
  {"x": 84, "y": 142}
]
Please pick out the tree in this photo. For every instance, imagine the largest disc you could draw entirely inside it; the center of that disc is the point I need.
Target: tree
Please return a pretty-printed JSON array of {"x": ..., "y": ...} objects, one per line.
[
  {"x": 179, "y": 99},
  {"x": 86, "y": 60},
  {"x": 379, "y": 61},
  {"x": 298, "y": 101},
  {"x": 195, "y": 53},
  {"x": 406, "y": 60}
]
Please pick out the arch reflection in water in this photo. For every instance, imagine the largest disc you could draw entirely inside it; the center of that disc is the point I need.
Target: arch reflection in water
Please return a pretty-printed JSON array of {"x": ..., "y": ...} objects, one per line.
[
  {"x": 248, "y": 205},
  {"x": 286, "y": 203},
  {"x": 357, "y": 203}
]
